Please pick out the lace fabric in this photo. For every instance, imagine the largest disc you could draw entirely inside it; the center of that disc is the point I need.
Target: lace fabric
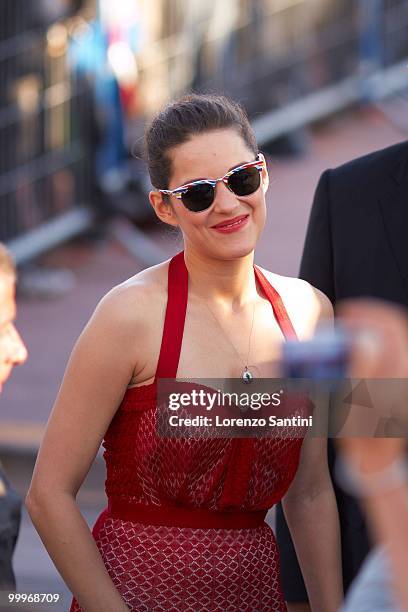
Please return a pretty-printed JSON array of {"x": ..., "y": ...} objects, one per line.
[
  {"x": 165, "y": 568},
  {"x": 158, "y": 568}
]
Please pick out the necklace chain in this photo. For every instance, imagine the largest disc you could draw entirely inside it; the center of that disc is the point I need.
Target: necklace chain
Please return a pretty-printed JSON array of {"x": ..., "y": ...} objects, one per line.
[{"x": 246, "y": 374}]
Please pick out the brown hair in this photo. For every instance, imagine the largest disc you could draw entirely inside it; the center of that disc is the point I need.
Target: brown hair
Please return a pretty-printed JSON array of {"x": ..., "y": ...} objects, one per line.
[
  {"x": 7, "y": 265},
  {"x": 182, "y": 119}
]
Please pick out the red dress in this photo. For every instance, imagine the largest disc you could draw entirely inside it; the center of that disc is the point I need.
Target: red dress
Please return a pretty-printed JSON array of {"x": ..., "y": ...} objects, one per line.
[{"x": 184, "y": 529}]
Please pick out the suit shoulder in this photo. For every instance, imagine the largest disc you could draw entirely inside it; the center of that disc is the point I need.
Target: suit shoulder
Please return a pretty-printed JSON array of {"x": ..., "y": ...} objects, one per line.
[{"x": 373, "y": 166}]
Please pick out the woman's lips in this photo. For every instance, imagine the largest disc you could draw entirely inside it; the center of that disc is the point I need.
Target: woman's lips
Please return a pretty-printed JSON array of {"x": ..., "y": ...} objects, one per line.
[{"x": 232, "y": 225}]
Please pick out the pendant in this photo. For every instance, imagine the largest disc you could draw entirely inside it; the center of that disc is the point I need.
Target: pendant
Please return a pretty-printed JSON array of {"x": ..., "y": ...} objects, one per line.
[{"x": 247, "y": 376}]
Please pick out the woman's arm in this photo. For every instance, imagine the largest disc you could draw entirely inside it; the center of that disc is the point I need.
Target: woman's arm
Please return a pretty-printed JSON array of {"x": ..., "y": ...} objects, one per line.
[
  {"x": 311, "y": 512},
  {"x": 97, "y": 374},
  {"x": 310, "y": 505}
]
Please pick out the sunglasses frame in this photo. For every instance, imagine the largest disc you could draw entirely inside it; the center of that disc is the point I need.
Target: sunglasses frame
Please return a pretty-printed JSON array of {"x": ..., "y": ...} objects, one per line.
[{"x": 178, "y": 193}]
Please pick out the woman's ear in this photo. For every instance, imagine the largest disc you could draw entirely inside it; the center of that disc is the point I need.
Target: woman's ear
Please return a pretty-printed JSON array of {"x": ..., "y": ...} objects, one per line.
[
  {"x": 264, "y": 174},
  {"x": 162, "y": 208}
]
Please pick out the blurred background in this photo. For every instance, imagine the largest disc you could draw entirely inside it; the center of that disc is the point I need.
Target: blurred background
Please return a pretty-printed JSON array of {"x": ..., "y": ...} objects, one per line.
[{"x": 323, "y": 81}]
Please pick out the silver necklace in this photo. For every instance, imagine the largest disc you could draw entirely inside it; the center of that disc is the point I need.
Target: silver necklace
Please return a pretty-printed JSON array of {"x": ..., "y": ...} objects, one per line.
[{"x": 246, "y": 374}]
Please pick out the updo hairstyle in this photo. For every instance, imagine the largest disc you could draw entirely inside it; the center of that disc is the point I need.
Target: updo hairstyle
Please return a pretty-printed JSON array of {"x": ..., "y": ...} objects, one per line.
[{"x": 180, "y": 120}]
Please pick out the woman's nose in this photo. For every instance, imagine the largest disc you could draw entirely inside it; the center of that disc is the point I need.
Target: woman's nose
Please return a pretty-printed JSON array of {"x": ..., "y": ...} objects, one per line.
[
  {"x": 225, "y": 200},
  {"x": 18, "y": 351}
]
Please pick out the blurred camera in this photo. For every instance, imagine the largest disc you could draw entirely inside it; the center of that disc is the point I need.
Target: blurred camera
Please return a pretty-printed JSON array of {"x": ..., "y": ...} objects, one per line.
[{"x": 325, "y": 356}]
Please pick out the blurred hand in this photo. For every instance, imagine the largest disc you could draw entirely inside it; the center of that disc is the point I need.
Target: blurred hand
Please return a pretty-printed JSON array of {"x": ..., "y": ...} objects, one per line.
[
  {"x": 381, "y": 332},
  {"x": 380, "y": 351}
]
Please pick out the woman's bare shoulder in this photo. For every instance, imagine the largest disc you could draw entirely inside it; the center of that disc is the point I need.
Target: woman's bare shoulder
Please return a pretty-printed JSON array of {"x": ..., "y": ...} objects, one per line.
[
  {"x": 305, "y": 304},
  {"x": 137, "y": 299}
]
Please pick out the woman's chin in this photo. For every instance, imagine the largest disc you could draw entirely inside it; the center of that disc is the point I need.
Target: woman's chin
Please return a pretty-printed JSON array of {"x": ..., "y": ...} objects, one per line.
[
  {"x": 239, "y": 246},
  {"x": 234, "y": 251}
]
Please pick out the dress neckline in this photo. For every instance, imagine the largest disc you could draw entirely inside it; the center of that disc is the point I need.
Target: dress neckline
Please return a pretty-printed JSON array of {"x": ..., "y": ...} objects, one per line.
[{"x": 173, "y": 329}]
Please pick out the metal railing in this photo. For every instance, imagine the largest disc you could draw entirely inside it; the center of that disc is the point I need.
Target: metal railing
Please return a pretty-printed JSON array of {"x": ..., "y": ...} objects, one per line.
[
  {"x": 45, "y": 158},
  {"x": 290, "y": 62},
  {"x": 273, "y": 53}
]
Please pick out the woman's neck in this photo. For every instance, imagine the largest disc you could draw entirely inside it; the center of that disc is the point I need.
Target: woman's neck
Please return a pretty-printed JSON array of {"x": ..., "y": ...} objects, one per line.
[{"x": 228, "y": 282}]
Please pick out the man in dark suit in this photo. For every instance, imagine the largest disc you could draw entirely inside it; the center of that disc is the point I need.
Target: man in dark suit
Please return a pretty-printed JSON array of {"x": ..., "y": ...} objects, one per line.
[{"x": 356, "y": 245}]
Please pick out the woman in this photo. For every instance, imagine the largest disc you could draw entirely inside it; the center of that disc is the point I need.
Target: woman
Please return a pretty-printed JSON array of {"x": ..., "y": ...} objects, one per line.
[{"x": 184, "y": 528}]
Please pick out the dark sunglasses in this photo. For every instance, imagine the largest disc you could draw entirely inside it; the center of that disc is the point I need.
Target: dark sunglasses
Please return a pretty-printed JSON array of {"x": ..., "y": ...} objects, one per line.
[{"x": 198, "y": 196}]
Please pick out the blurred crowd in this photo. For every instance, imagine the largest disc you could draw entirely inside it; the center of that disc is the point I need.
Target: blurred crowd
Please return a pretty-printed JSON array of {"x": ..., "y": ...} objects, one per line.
[{"x": 81, "y": 77}]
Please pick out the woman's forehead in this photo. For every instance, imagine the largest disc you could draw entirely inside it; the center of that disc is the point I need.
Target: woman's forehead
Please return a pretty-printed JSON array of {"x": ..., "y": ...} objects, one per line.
[{"x": 208, "y": 155}]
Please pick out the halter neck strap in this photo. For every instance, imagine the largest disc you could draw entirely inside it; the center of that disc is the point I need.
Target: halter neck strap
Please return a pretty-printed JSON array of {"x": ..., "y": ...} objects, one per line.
[
  {"x": 278, "y": 306},
  {"x": 177, "y": 294}
]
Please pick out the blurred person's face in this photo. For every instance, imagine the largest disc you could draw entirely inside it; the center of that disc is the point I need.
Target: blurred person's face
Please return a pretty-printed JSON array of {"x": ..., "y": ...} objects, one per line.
[
  {"x": 231, "y": 226},
  {"x": 12, "y": 349}
]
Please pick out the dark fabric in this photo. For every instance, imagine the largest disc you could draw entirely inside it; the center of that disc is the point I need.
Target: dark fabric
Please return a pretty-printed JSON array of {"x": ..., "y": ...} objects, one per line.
[
  {"x": 355, "y": 246},
  {"x": 293, "y": 586},
  {"x": 10, "y": 516},
  {"x": 356, "y": 239}
]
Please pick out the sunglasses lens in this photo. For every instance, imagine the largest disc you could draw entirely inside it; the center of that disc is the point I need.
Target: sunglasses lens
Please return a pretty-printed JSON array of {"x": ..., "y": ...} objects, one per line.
[
  {"x": 198, "y": 197},
  {"x": 245, "y": 181}
]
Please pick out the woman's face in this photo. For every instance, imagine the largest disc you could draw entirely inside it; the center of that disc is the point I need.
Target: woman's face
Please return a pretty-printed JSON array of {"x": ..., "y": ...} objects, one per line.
[
  {"x": 211, "y": 155},
  {"x": 12, "y": 349}
]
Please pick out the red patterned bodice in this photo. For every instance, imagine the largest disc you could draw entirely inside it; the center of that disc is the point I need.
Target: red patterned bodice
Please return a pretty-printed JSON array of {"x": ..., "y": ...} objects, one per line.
[{"x": 184, "y": 528}]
